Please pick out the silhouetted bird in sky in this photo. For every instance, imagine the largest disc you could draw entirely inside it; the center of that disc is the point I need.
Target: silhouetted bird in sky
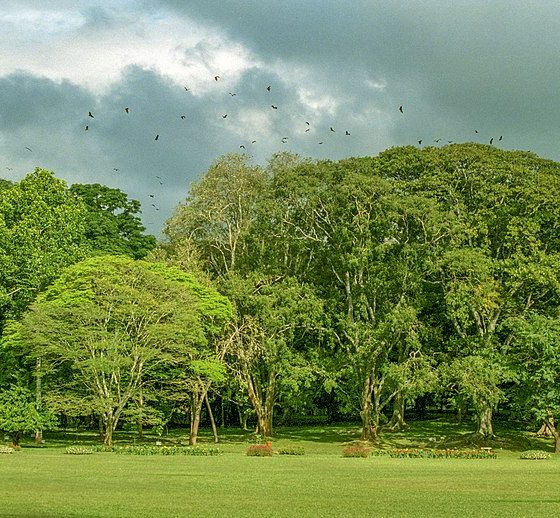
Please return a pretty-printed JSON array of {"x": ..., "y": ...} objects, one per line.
[
  {"x": 400, "y": 109},
  {"x": 157, "y": 137},
  {"x": 500, "y": 137},
  {"x": 232, "y": 94},
  {"x": 346, "y": 132},
  {"x": 115, "y": 169},
  {"x": 216, "y": 78},
  {"x": 307, "y": 123},
  {"x": 253, "y": 141},
  {"x": 186, "y": 89},
  {"x": 126, "y": 110},
  {"x": 224, "y": 116},
  {"x": 491, "y": 140},
  {"x": 268, "y": 88},
  {"x": 87, "y": 127},
  {"x": 320, "y": 142},
  {"x": 183, "y": 116},
  {"x": 242, "y": 146},
  {"x": 151, "y": 195},
  {"x": 28, "y": 149},
  {"x": 420, "y": 142},
  {"x": 332, "y": 129},
  {"x": 308, "y": 129},
  {"x": 90, "y": 115},
  {"x": 274, "y": 107}
]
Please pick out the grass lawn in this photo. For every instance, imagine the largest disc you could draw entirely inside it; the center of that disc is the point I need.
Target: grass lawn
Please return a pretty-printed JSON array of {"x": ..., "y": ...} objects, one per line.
[{"x": 46, "y": 482}]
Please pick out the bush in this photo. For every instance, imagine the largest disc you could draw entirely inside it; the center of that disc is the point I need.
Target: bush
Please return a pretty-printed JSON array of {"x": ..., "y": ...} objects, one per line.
[
  {"x": 535, "y": 455},
  {"x": 260, "y": 450},
  {"x": 419, "y": 453},
  {"x": 80, "y": 450},
  {"x": 356, "y": 450},
  {"x": 198, "y": 451},
  {"x": 292, "y": 450},
  {"x": 6, "y": 449}
]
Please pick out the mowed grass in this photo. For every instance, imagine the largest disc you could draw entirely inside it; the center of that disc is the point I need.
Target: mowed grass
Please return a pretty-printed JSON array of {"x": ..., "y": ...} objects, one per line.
[{"x": 48, "y": 483}]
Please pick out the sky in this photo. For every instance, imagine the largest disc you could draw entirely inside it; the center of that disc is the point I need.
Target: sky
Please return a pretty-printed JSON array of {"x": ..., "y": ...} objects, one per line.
[{"x": 196, "y": 74}]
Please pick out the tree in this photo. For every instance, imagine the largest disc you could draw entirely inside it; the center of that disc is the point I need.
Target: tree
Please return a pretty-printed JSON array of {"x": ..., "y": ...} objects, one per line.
[
  {"x": 112, "y": 222},
  {"x": 219, "y": 212},
  {"x": 19, "y": 414},
  {"x": 269, "y": 338},
  {"x": 108, "y": 326},
  {"x": 41, "y": 232},
  {"x": 535, "y": 355}
]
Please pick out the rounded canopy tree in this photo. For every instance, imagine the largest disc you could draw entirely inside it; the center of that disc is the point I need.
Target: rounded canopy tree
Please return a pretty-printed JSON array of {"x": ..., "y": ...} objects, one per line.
[{"x": 109, "y": 323}]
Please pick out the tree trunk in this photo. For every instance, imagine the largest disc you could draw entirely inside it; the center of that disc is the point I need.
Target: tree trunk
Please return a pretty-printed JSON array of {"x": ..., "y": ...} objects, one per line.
[
  {"x": 369, "y": 431},
  {"x": 555, "y": 433},
  {"x": 16, "y": 436},
  {"x": 544, "y": 430},
  {"x": 397, "y": 422},
  {"x": 485, "y": 428},
  {"x": 211, "y": 415},
  {"x": 38, "y": 397},
  {"x": 109, "y": 426}
]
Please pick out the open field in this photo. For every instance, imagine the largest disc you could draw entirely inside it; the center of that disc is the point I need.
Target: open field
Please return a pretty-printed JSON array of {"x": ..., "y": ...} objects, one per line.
[{"x": 45, "y": 482}]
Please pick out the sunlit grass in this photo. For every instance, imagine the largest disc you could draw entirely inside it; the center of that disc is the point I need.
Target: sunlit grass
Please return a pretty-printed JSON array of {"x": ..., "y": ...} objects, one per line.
[{"x": 45, "y": 482}]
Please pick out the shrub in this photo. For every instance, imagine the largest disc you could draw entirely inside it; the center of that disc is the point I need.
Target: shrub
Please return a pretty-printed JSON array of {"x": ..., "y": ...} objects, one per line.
[
  {"x": 535, "y": 455},
  {"x": 167, "y": 450},
  {"x": 260, "y": 450},
  {"x": 356, "y": 450},
  {"x": 420, "y": 453},
  {"x": 291, "y": 450},
  {"x": 6, "y": 449},
  {"x": 81, "y": 450}
]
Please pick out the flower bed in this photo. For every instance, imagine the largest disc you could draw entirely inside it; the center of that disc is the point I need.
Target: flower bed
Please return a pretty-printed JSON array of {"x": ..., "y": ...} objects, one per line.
[
  {"x": 420, "y": 453},
  {"x": 535, "y": 455},
  {"x": 198, "y": 451}
]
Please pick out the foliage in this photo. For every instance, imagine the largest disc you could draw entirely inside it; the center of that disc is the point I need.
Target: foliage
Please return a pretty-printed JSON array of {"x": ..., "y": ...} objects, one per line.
[
  {"x": 436, "y": 454},
  {"x": 19, "y": 413},
  {"x": 6, "y": 449},
  {"x": 112, "y": 222},
  {"x": 356, "y": 450},
  {"x": 197, "y": 451},
  {"x": 535, "y": 455},
  {"x": 80, "y": 450},
  {"x": 291, "y": 450},
  {"x": 109, "y": 325},
  {"x": 260, "y": 450}
]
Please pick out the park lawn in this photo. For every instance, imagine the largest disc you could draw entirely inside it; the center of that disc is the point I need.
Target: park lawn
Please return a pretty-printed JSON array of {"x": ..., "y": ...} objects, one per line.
[{"x": 46, "y": 482}]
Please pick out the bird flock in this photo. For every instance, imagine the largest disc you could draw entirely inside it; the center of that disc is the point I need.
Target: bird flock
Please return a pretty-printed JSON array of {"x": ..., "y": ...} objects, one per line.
[{"x": 243, "y": 146}]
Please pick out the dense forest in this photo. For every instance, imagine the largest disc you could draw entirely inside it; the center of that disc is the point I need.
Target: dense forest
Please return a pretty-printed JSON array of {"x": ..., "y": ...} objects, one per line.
[{"x": 364, "y": 289}]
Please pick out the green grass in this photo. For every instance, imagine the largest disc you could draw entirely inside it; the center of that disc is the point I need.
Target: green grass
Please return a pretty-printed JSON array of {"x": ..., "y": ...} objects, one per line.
[{"x": 44, "y": 482}]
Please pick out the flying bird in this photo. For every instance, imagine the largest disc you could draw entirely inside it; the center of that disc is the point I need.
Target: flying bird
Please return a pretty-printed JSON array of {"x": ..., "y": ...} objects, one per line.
[
  {"x": 126, "y": 110},
  {"x": 115, "y": 169},
  {"x": 157, "y": 137},
  {"x": 242, "y": 146},
  {"x": 253, "y": 141},
  {"x": 268, "y": 88},
  {"x": 186, "y": 89},
  {"x": 320, "y": 142},
  {"x": 500, "y": 137},
  {"x": 151, "y": 195},
  {"x": 491, "y": 140},
  {"x": 87, "y": 127},
  {"x": 224, "y": 116},
  {"x": 307, "y": 123},
  {"x": 183, "y": 116},
  {"x": 420, "y": 142},
  {"x": 347, "y": 132},
  {"x": 400, "y": 109},
  {"x": 284, "y": 140},
  {"x": 332, "y": 129},
  {"x": 28, "y": 149},
  {"x": 232, "y": 94},
  {"x": 274, "y": 107},
  {"x": 216, "y": 78},
  {"x": 90, "y": 115},
  {"x": 308, "y": 129}
]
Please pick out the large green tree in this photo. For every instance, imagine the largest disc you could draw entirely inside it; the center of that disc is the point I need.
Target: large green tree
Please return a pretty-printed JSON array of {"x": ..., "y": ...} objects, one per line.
[
  {"x": 108, "y": 325},
  {"x": 112, "y": 221}
]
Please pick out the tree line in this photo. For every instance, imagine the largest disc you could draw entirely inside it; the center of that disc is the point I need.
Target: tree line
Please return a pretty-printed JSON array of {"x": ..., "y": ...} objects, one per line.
[{"x": 354, "y": 289}]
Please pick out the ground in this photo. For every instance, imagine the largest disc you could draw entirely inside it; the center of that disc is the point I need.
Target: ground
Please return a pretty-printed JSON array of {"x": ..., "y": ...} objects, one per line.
[{"x": 44, "y": 482}]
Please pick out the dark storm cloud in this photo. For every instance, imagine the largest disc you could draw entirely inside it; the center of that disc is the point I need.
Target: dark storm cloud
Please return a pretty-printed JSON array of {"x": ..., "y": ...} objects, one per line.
[{"x": 456, "y": 66}]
